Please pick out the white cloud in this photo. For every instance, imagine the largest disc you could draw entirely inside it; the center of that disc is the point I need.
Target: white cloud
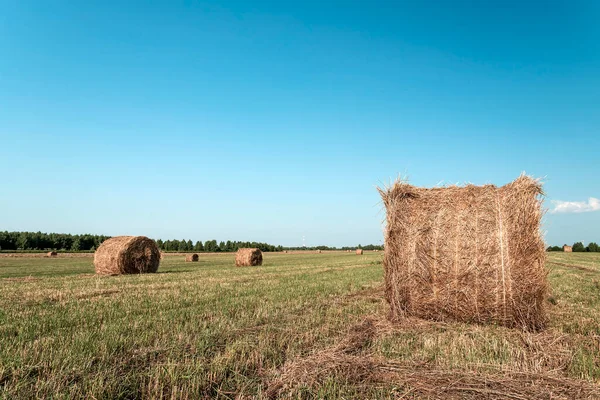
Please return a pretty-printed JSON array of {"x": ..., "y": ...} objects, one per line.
[{"x": 592, "y": 204}]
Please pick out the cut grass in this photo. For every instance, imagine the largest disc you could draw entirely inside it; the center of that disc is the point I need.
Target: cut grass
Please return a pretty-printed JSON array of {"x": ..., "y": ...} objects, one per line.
[{"x": 210, "y": 329}]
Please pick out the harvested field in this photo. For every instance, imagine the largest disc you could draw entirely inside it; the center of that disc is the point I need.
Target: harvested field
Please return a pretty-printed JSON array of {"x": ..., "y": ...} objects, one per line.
[{"x": 217, "y": 331}]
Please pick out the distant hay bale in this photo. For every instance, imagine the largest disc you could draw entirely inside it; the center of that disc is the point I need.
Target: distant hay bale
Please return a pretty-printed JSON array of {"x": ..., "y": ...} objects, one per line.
[
  {"x": 359, "y": 252},
  {"x": 567, "y": 249},
  {"x": 318, "y": 251},
  {"x": 127, "y": 255},
  {"x": 52, "y": 254},
  {"x": 248, "y": 258},
  {"x": 471, "y": 254},
  {"x": 191, "y": 258}
]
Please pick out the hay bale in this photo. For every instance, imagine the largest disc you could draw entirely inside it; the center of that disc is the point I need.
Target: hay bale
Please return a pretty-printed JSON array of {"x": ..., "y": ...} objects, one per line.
[
  {"x": 567, "y": 249},
  {"x": 472, "y": 254},
  {"x": 248, "y": 258},
  {"x": 359, "y": 252},
  {"x": 318, "y": 251},
  {"x": 52, "y": 254},
  {"x": 127, "y": 255},
  {"x": 191, "y": 258}
]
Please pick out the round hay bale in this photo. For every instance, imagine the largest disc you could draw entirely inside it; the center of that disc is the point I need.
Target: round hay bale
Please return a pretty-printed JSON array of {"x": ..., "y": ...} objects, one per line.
[
  {"x": 248, "y": 258},
  {"x": 318, "y": 251},
  {"x": 52, "y": 254},
  {"x": 191, "y": 258},
  {"x": 127, "y": 255},
  {"x": 359, "y": 252}
]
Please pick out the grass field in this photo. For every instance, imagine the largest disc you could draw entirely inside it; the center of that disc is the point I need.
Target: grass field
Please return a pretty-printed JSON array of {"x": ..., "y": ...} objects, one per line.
[{"x": 302, "y": 326}]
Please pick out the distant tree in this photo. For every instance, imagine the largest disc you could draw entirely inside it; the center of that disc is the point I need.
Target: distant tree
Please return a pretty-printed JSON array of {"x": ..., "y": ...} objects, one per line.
[
  {"x": 578, "y": 247},
  {"x": 182, "y": 246},
  {"x": 23, "y": 241},
  {"x": 198, "y": 246},
  {"x": 211, "y": 246},
  {"x": 593, "y": 247},
  {"x": 76, "y": 246}
]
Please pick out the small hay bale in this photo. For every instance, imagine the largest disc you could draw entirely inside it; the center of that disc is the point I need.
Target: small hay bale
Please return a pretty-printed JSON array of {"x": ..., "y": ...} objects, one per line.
[
  {"x": 191, "y": 258},
  {"x": 567, "y": 249},
  {"x": 318, "y": 251},
  {"x": 359, "y": 252},
  {"x": 469, "y": 254},
  {"x": 248, "y": 258},
  {"x": 52, "y": 254},
  {"x": 127, "y": 255}
]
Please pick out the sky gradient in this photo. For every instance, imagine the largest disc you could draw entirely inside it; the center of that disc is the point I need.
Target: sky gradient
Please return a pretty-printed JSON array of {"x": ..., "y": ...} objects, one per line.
[{"x": 270, "y": 121}]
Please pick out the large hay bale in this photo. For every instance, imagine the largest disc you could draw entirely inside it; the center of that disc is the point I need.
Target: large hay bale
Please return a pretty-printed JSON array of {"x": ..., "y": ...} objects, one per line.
[
  {"x": 127, "y": 255},
  {"x": 52, "y": 254},
  {"x": 248, "y": 257},
  {"x": 359, "y": 252},
  {"x": 472, "y": 254},
  {"x": 191, "y": 258},
  {"x": 567, "y": 249}
]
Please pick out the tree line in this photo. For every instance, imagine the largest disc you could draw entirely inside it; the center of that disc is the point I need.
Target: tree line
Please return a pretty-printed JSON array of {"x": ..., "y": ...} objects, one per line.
[
  {"x": 213, "y": 246},
  {"x": 38, "y": 241},
  {"x": 49, "y": 241},
  {"x": 578, "y": 247}
]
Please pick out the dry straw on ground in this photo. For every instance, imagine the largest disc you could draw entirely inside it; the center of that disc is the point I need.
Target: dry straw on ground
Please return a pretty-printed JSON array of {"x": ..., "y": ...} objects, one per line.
[
  {"x": 248, "y": 258},
  {"x": 52, "y": 254},
  {"x": 472, "y": 254},
  {"x": 191, "y": 257},
  {"x": 359, "y": 252},
  {"x": 127, "y": 255}
]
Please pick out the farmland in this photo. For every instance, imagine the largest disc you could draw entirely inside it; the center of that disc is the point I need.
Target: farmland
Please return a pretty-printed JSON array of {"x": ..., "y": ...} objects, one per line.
[{"x": 303, "y": 325}]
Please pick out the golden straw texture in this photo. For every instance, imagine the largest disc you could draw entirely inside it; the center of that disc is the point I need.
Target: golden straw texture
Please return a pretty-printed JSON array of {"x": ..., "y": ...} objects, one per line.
[
  {"x": 472, "y": 254},
  {"x": 248, "y": 258},
  {"x": 127, "y": 255},
  {"x": 191, "y": 257}
]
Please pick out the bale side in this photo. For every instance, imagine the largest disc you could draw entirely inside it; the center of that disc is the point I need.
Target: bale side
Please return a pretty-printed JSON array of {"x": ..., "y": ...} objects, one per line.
[
  {"x": 248, "y": 258},
  {"x": 359, "y": 252},
  {"x": 471, "y": 254},
  {"x": 191, "y": 258},
  {"x": 127, "y": 255},
  {"x": 52, "y": 254}
]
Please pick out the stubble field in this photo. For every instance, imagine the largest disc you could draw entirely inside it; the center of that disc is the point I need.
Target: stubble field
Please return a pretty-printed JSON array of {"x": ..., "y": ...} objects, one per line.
[{"x": 302, "y": 325}]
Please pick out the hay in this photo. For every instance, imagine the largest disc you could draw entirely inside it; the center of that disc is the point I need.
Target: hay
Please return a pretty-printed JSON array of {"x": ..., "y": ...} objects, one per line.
[
  {"x": 471, "y": 254},
  {"x": 248, "y": 258},
  {"x": 359, "y": 252},
  {"x": 191, "y": 258},
  {"x": 567, "y": 249},
  {"x": 319, "y": 251},
  {"x": 52, "y": 254},
  {"x": 127, "y": 255}
]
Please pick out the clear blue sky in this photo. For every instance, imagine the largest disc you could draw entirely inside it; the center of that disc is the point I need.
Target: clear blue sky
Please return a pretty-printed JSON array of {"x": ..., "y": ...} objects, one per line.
[{"x": 273, "y": 120}]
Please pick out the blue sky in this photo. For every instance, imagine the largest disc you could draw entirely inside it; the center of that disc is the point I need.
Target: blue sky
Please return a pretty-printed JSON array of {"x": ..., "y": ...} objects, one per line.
[{"x": 271, "y": 120}]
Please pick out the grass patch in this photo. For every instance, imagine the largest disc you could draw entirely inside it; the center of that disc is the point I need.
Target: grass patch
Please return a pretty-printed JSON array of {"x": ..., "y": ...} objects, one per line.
[{"x": 213, "y": 330}]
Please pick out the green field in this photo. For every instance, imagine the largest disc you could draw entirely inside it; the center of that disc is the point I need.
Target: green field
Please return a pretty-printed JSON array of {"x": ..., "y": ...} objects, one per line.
[{"x": 301, "y": 326}]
